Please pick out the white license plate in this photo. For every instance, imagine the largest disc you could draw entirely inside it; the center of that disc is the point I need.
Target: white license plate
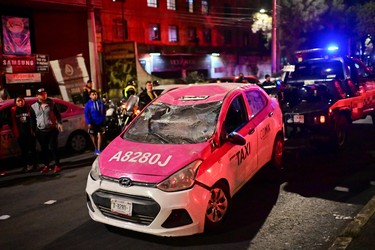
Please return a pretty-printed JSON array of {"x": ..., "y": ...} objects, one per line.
[
  {"x": 299, "y": 119},
  {"x": 121, "y": 207}
]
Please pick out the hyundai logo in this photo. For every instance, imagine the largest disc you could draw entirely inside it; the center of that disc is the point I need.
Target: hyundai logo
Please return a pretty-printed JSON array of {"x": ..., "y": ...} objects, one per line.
[{"x": 125, "y": 181}]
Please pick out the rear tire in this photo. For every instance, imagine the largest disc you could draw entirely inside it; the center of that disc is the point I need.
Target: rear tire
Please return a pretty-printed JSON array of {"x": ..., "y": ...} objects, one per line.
[
  {"x": 277, "y": 153},
  {"x": 340, "y": 132},
  {"x": 78, "y": 142}
]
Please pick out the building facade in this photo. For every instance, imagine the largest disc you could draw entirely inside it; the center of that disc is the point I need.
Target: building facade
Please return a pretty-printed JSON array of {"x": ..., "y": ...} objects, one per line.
[{"x": 122, "y": 40}]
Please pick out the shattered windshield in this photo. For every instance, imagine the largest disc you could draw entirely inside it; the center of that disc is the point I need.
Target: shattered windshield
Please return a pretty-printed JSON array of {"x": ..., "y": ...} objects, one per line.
[
  {"x": 314, "y": 70},
  {"x": 170, "y": 124}
]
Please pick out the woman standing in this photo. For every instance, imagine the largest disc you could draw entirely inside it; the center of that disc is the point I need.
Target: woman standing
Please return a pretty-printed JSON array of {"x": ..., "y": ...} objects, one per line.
[{"x": 21, "y": 126}]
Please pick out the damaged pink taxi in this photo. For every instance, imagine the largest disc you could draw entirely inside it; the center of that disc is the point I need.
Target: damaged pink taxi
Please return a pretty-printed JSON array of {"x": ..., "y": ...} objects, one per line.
[{"x": 176, "y": 167}]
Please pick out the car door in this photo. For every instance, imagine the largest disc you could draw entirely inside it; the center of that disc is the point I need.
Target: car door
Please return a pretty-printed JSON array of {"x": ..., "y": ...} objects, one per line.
[
  {"x": 261, "y": 119},
  {"x": 241, "y": 159}
]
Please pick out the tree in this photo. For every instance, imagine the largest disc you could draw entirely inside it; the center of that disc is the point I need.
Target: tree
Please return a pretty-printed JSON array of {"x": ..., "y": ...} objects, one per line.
[
  {"x": 303, "y": 22},
  {"x": 362, "y": 20}
]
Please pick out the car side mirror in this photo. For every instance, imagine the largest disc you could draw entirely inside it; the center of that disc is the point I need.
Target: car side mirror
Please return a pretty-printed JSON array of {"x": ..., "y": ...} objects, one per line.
[{"x": 236, "y": 138}]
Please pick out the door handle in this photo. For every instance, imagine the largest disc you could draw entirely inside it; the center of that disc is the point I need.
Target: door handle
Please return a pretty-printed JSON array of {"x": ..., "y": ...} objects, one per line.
[{"x": 251, "y": 131}]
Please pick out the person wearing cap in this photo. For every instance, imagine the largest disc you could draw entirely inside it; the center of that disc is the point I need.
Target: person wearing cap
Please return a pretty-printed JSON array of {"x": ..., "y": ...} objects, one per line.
[
  {"x": 86, "y": 92},
  {"x": 46, "y": 124}
]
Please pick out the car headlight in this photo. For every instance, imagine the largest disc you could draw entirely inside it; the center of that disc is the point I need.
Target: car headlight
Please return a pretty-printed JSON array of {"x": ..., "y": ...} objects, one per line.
[
  {"x": 95, "y": 171},
  {"x": 182, "y": 179}
]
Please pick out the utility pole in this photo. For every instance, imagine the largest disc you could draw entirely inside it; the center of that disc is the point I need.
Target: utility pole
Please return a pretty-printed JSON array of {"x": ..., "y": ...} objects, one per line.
[
  {"x": 93, "y": 46},
  {"x": 274, "y": 37}
]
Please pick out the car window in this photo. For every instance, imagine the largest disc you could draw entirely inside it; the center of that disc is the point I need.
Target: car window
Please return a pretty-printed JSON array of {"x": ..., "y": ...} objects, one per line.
[
  {"x": 61, "y": 107},
  {"x": 236, "y": 115},
  {"x": 256, "y": 101},
  {"x": 314, "y": 70}
]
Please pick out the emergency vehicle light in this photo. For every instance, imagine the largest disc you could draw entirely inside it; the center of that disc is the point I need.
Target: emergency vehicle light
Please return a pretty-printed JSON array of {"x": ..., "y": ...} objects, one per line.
[{"x": 332, "y": 48}]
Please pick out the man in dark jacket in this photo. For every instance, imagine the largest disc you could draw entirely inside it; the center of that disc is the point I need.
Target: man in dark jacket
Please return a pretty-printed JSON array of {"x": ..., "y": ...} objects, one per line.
[
  {"x": 95, "y": 118},
  {"x": 21, "y": 127},
  {"x": 147, "y": 95},
  {"x": 86, "y": 92},
  {"x": 46, "y": 124}
]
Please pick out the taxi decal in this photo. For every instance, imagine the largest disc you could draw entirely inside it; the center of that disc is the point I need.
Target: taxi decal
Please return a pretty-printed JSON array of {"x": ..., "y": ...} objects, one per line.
[
  {"x": 140, "y": 157},
  {"x": 242, "y": 154},
  {"x": 265, "y": 131}
]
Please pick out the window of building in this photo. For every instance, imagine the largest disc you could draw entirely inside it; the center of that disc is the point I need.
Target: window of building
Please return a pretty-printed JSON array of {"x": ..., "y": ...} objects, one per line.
[
  {"x": 154, "y": 31},
  {"x": 120, "y": 29},
  {"x": 207, "y": 35},
  {"x": 152, "y": 3},
  {"x": 205, "y": 7},
  {"x": 191, "y": 34},
  {"x": 173, "y": 33},
  {"x": 190, "y": 5},
  {"x": 171, "y": 4},
  {"x": 228, "y": 37}
]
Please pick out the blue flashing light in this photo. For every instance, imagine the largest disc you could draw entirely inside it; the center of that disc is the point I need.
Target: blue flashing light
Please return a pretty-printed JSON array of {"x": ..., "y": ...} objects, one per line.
[{"x": 333, "y": 48}]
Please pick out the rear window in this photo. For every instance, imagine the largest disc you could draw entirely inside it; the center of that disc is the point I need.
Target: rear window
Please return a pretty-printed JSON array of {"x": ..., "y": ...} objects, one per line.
[{"x": 314, "y": 70}]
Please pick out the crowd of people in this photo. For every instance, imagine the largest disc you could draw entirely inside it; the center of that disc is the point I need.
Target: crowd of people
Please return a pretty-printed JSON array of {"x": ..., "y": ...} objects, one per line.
[{"x": 39, "y": 122}]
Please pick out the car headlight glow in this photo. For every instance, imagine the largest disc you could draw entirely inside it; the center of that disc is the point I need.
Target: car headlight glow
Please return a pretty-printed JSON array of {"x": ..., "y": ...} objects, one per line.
[
  {"x": 183, "y": 179},
  {"x": 95, "y": 171}
]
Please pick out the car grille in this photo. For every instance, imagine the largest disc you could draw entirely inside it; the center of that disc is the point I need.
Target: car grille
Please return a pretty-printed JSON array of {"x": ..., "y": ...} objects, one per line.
[{"x": 144, "y": 209}]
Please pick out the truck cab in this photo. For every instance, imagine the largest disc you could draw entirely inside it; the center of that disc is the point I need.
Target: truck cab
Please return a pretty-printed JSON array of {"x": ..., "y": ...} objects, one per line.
[{"x": 322, "y": 96}]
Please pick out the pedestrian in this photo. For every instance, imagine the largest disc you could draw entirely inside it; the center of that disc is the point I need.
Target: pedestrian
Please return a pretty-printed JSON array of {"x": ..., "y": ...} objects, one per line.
[
  {"x": 22, "y": 131},
  {"x": 267, "y": 82},
  {"x": 95, "y": 119},
  {"x": 147, "y": 95},
  {"x": 129, "y": 90},
  {"x": 4, "y": 94},
  {"x": 240, "y": 78},
  {"x": 86, "y": 92},
  {"x": 46, "y": 124}
]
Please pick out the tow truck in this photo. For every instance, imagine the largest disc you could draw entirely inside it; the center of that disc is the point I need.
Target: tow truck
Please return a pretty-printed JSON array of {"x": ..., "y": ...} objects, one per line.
[{"x": 322, "y": 95}]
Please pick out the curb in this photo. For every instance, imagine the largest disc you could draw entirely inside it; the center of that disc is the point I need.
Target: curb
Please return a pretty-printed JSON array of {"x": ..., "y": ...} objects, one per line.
[{"x": 354, "y": 228}]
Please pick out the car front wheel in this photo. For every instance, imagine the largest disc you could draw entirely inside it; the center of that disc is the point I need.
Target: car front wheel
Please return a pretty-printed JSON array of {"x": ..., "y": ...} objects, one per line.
[{"x": 217, "y": 207}]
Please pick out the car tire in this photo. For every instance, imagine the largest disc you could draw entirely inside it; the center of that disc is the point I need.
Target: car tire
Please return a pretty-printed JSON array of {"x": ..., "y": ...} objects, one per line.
[
  {"x": 277, "y": 153},
  {"x": 217, "y": 207},
  {"x": 78, "y": 142},
  {"x": 340, "y": 136}
]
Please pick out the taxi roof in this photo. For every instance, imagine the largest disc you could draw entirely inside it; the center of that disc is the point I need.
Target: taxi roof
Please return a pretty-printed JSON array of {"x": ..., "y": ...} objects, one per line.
[{"x": 201, "y": 93}]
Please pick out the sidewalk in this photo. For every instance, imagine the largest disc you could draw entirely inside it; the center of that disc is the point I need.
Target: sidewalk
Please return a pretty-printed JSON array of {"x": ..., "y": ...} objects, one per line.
[
  {"x": 360, "y": 233},
  {"x": 9, "y": 174}
]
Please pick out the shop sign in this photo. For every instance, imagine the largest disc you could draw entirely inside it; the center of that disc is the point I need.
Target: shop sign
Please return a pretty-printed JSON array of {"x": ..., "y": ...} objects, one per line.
[
  {"x": 179, "y": 62},
  {"x": 25, "y": 63},
  {"x": 23, "y": 78}
]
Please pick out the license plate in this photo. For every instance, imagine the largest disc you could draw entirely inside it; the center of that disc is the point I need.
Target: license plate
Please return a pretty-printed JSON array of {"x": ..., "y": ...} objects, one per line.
[
  {"x": 299, "y": 119},
  {"x": 121, "y": 207}
]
